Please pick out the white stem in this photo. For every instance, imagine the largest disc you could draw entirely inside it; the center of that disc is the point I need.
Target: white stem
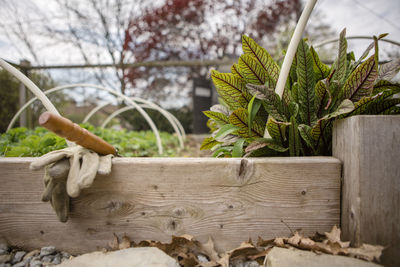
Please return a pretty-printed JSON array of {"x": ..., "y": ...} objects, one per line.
[
  {"x": 30, "y": 85},
  {"x": 294, "y": 42}
]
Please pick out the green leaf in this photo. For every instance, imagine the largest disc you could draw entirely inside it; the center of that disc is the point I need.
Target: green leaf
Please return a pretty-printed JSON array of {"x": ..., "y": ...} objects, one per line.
[
  {"x": 341, "y": 63},
  {"x": 361, "y": 81},
  {"x": 321, "y": 71},
  {"x": 306, "y": 81},
  {"x": 235, "y": 71},
  {"x": 231, "y": 89},
  {"x": 305, "y": 133},
  {"x": 383, "y": 86},
  {"x": 293, "y": 109},
  {"x": 223, "y": 151},
  {"x": 240, "y": 118},
  {"x": 294, "y": 138},
  {"x": 392, "y": 111},
  {"x": 263, "y": 57},
  {"x": 220, "y": 109},
  {"x": 209, "y": 143},
  {"x": 378, "y": 107},
  {"x": 18, "y": 151},
  {"x": 292, "y": 72},
  {"x": 324, "y": 97},
  {"x": 295, "y": 92},
  {"x": 251, "y": 70},
  {"x": 265, "y": 142},
  {"x": 271, "y": 100},
  {"x": 388, "y": 70},
  {"x": 225, "y": 130},
  {"x": 277, "y": 129},
  {"x": 212, "y": 125},
  {"x": 345, "y": 107},
  {"x": 237, "y": 151},
  {"x": 322, "y": 134},
  {"x": 216, "y": 116},
  {"x": 252, "y": 110}
]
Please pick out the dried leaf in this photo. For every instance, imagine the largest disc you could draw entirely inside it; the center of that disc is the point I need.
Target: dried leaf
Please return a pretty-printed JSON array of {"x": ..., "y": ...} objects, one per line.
[
  {"x": 264, "y": 243},
  {"x": 114, "y": 245},
  {"x": 307, "y": 243},
  {"x": 334, "y": 237},
  {"x": 295, "y": 239},
  {"x": 224, "y": 260},
  {"x": 246, "y": 249},
  {"x": 279, "y": 242},
  {"x": 209, "y": 250},
  {"x": 366, "y": 252},
  {"x": 260, "y": 255},
  {"x": 125, "y": 243}
]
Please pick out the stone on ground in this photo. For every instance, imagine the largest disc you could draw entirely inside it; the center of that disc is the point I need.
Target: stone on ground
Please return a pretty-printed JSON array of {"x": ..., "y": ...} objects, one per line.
[
  {"x": 282, "y": 257},
  {"x": 130, "y": 257}
]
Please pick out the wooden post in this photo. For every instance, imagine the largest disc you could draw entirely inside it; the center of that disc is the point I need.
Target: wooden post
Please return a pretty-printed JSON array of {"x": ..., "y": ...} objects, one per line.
[{"x": 369, "y": 147}]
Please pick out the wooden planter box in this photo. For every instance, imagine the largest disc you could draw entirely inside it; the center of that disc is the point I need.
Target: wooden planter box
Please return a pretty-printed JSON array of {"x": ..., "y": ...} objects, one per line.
[
  {"x": 230, "y": 200},
  {"x": 369, "y": 147}
]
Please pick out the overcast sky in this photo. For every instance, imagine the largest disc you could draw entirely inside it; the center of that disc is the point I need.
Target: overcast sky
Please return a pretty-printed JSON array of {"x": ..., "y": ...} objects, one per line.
[{"x": 360, "y": 17}]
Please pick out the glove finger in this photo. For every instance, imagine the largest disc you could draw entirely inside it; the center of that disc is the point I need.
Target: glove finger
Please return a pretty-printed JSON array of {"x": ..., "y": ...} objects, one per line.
[
  {"x": 53, "y": 156},
  {"x": 47, "y": 159},
  {"x": 88, "y": 171},
  {"x": 59, "y": 170},
  {"x": 60, "y": 202},
  {"x": 49, "y": 187},
  {"x": 105, "y": 165},
  {"x": 73, "y": 176}
]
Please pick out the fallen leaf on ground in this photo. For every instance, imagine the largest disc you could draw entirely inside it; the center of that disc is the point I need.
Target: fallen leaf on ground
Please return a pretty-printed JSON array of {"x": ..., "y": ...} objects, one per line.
[
  {"x": 114, "y": 244},
  {"x": 334, "y": 237},
  {"x": 264, "y": 243},
  {"x": 209, "y": 250},
  {"x": 366, "y": 252},
  {"x": 295, "y": 239},
  {"x": 279, "y": 242},
  {"x": 125, "y": 243}
]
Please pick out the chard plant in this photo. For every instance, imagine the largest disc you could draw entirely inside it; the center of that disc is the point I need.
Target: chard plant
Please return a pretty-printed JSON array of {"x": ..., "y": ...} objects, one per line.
[{"x": 252, "y": 120}]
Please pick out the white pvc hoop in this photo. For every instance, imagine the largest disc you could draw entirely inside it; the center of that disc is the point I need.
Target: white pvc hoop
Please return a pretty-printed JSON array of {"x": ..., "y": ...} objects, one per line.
[
  {"x": 153, "y": 106},
  {"x": 33, "y": 88},
  {"x": 124, "y": 109},
  {"x": 176, "y": 125},
  {"x": 130, "y": 101},
  {"x": 164, "y": 112}
]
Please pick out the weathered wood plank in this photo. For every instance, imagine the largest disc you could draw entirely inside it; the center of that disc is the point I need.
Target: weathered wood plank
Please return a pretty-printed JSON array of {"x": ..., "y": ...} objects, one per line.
[
  {"x": 154, "y": 198},
  {"x": 369, "y": 147}
]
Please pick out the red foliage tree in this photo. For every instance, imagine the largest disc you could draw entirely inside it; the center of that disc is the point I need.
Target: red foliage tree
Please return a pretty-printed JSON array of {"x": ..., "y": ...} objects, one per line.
[{"x": 199, "y": 29}]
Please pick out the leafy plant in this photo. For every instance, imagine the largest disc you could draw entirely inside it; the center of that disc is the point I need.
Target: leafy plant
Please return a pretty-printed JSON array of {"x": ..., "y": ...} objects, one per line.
[
  {"x": 21, "y": 142},
  {"x": 299, "y": 123}
]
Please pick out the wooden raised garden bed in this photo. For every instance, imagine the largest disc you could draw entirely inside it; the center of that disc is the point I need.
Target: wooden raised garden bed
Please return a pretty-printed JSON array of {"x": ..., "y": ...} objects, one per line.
[{"x": 230, "y": 200}]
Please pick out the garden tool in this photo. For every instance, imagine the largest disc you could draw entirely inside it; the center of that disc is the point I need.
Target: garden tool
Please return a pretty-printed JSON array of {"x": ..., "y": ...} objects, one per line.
[{"x": 74, "y": 168}]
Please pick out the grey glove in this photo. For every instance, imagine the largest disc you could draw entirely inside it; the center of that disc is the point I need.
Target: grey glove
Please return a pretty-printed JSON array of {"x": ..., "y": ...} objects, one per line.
[{"x": 66, "y": 178}]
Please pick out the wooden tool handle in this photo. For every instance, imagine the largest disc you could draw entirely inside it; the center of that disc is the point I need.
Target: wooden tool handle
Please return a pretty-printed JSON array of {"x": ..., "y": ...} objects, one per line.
[{"x": 74, "y": 133}]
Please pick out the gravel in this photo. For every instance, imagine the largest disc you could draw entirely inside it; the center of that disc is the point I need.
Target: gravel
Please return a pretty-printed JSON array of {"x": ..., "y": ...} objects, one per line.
[{"x": 45, "y": 257}]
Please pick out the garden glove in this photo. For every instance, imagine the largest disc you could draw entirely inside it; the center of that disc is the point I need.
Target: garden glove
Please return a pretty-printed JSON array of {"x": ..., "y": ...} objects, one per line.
[
  {"x": 55, "y": 179},
  {"x": 66, "y": 178}
]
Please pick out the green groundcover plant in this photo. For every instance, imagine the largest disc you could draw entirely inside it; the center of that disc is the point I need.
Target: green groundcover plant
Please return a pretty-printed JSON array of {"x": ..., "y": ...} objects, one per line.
[
  {"x": 22, "y": 142},
  {"x": 299, "y": 123}
]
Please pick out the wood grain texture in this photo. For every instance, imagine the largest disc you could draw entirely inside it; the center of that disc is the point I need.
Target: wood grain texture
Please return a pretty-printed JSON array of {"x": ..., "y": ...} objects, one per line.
[
  {"x": 369, "y": 147},
  {"x": 154, "y": 198}
]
